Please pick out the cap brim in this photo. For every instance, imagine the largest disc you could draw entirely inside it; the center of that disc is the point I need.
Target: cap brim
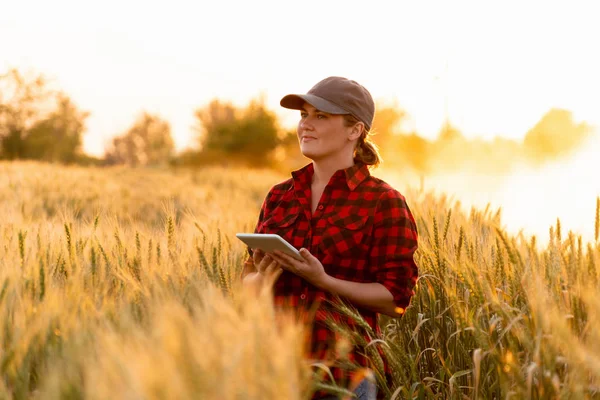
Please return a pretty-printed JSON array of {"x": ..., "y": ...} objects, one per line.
[{"x": 296, "y": 102}]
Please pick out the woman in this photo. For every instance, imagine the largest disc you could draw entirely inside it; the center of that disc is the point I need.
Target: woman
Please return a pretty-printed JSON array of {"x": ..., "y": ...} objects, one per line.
[{"x": 356, "y": 234}]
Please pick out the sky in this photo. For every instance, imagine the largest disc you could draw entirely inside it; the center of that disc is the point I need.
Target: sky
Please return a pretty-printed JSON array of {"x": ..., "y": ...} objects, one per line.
[
  {"x": 494, "y": 68},
  {"x": 531, "y": 198}
]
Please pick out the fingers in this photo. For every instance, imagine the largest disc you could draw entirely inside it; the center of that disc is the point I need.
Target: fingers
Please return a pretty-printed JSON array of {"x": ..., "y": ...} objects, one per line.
[
  {"x": 273, "y": 269},
  {"x": 272, "y": 265},
  {"x": 257, "y": 256},
  {"x": 272, "y": 276},
  {"x": 281, "y": 259},
  {"x": 269, "y": 269},
  {"x": 265, "y": 263}
]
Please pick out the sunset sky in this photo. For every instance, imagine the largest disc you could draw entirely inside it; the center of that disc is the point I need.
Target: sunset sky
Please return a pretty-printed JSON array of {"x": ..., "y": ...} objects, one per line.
[{"x": 498, "y": 66}]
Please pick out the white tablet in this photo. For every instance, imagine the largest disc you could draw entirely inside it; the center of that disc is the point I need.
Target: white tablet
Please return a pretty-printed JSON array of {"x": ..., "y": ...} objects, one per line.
[{"x": 269, "y": 242}]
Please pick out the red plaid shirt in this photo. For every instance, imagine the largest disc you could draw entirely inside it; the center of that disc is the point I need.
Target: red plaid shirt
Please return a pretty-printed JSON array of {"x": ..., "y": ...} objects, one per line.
[{"x": 361, "y": 231}]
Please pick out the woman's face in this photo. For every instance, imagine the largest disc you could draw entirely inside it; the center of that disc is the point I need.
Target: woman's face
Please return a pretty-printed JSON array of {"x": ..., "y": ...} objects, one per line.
[{"x": 322, "y": 135}]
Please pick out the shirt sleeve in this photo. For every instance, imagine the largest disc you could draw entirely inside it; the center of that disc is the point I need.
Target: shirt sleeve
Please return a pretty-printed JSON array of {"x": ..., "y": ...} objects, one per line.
[{"x": 394, "y": 245}]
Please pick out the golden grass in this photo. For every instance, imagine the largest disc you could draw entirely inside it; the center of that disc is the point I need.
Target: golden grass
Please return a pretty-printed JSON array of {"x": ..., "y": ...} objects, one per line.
[{"x": 122, "y": 283}]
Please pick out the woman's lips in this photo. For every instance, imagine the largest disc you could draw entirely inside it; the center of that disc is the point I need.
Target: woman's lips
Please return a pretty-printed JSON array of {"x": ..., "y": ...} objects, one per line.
[{"x": 308, "y": 139}]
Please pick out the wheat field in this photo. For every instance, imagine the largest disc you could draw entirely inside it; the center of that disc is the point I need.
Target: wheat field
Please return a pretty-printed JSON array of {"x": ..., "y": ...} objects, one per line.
[{"x": 123, "y": 283}]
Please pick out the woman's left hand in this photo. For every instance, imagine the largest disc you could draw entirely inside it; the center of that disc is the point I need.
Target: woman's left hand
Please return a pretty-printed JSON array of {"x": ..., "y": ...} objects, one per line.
[{"x": 310, "y": 269}]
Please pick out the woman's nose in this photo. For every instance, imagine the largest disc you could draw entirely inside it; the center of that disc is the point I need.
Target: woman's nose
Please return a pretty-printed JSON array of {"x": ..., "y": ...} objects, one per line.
[{"x": 305, "y": 124}]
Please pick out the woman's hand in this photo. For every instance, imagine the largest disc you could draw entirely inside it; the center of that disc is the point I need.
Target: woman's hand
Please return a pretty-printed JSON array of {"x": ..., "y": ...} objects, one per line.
[
  {"x": 267, "y": 270},
  {"x": 310, "y": 269},
  {"x": 373, "y": 296}
]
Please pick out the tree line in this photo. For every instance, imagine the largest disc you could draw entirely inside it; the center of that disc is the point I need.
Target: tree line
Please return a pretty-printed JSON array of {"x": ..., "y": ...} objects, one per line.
[{"x": 38, "y": 123}]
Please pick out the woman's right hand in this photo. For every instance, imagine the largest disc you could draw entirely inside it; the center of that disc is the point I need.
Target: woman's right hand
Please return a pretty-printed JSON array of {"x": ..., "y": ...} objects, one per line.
[{"x": 267, "y": 270}]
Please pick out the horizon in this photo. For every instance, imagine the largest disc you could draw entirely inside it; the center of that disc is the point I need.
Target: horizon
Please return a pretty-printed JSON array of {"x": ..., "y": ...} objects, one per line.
[{"x": 487, "y": 69}]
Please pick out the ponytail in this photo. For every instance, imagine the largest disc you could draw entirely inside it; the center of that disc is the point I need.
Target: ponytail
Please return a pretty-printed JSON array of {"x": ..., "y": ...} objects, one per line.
[{"x": 366, "y": 152}]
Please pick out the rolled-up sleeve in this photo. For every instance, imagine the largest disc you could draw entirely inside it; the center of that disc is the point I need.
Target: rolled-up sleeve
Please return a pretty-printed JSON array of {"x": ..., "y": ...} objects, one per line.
[{"x": 394, "y": 244}]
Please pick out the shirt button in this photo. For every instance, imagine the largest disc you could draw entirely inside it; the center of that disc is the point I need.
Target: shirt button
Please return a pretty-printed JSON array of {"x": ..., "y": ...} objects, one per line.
[
  {"x": 303, "y": 296},
  {"x": 320, "y": 207}
]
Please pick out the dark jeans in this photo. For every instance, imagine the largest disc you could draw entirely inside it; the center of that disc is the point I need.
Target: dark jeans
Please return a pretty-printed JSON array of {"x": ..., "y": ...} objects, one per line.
[{"x": 366, "y": 390}]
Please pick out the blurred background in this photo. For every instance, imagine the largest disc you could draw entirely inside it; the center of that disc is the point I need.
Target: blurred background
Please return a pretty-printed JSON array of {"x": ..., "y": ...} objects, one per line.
[{"x": 489, "y": 103}]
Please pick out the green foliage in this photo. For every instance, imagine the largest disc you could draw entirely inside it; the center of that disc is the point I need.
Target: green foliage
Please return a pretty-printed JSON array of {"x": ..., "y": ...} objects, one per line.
[
  {"x": 250, "y": 135},
  {"x": 38, "y": 123},
  {"x": 58, "y": 137},
  {"x": 555, "y": 135},
  {"x": 147, "y": 142}
]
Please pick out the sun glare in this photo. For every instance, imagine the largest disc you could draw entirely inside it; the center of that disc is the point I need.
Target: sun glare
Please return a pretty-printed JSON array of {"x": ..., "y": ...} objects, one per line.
[{"x": 490, "y": 70}]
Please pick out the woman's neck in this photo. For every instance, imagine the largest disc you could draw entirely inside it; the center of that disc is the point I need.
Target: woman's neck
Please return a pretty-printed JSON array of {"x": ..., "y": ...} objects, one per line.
[{"x": 324, "y": 170}]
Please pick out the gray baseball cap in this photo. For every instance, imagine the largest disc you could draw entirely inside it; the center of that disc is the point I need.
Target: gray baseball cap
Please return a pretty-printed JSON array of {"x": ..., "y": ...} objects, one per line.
[{"x": 336, "y": 95}]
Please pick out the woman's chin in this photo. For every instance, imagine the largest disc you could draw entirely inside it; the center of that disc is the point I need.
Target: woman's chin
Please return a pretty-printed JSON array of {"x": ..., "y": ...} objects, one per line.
[{"x": 308, "y": 154}]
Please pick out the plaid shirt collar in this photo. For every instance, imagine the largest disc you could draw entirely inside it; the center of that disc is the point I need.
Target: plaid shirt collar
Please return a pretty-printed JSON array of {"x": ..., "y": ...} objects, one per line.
[{"x": 351, "y": 176}]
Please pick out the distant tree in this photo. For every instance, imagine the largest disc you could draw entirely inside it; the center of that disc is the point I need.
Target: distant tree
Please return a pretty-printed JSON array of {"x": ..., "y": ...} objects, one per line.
[
  {"x": 24, "y": 100},
  {"x": 288, "y": 155},
  {"x": 250, "y": 135},
  {"x": 449, "y": 134},
  {"x": 412, "y": 151},
  {"x": 452, "y": 151},
  {"x": 387, "y": 131},
  {"x": 388, "y": 120},
  {"x": 216, "y": 117},
  {"x": 58, "y": 137},
  {"x": 556, "y": 134},
  {"x": 38, "y": 123},
  {"x": 147, "y": 142}
]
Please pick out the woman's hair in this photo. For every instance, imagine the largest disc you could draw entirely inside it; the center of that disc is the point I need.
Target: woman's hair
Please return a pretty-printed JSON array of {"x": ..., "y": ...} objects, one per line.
[{"x": 366, "y": 151}]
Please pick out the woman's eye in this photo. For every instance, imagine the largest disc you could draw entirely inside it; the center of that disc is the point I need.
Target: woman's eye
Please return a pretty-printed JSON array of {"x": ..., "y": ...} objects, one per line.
[
  {"x": 321, "y": 116},
  {"x": 303, "y": 115}
]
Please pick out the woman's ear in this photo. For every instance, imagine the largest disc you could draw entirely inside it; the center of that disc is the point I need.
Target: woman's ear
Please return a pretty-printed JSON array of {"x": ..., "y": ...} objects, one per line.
[{"x": 356, "y": 131}]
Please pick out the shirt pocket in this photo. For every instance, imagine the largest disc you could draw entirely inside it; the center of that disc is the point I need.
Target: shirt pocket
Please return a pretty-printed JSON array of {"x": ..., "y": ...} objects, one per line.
[
  {"x": 346, "y": 235},
  {"x": 282, "y": 224}
]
